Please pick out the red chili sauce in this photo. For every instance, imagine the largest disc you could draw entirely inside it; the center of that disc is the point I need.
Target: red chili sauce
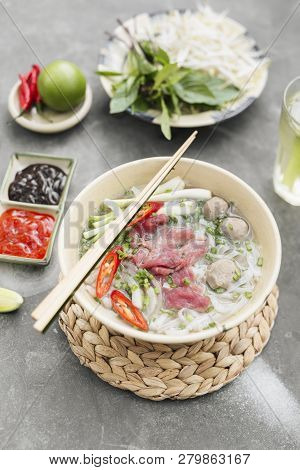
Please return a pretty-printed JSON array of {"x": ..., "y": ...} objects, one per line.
[{"x": 25, "y": 233}]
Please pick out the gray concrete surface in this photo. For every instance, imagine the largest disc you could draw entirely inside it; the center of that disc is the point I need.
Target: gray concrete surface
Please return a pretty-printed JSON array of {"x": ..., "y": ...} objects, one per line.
[{"x": 47, "y": 400}]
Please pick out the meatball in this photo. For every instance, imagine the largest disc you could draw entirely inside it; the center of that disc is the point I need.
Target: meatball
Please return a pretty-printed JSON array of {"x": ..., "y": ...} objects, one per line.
[
  {"x": 220, "y": 273},
  {"x": 235, "y": 228},
  {"x": 214, "y": 208}
]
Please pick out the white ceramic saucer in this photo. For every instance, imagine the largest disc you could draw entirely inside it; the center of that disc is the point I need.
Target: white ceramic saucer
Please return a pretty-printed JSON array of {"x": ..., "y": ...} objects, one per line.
[{"x": 52, "y": 121}]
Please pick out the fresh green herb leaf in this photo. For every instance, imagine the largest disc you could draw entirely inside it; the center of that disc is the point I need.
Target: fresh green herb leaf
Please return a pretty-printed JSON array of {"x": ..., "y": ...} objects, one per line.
[
  {"x": 165, "y": 120},
  {"x": 163, "y": 74},
  {"x": 125, "y": 94},
  {"x": 198, "y": 87},
  {"x": 161, "y": 56}
]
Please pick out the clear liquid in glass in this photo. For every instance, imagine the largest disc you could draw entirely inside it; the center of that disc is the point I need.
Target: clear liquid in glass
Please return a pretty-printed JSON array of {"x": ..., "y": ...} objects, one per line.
[{"x": 287, "y": 168}]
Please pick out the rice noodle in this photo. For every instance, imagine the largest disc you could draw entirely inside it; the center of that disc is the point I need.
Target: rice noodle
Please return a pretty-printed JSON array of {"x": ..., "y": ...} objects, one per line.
[
  {"x": 204, "y": 39},
  {"x": 148, "y": 296}
]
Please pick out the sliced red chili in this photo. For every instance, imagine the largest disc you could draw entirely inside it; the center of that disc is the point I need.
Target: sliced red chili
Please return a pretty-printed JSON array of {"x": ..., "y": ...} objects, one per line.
[
  {"x": 28, "y": 89},
  {"x": 107, "y": 271},
  {"x": 147, "y": 209},
  {"x": 32, "y": 81},
  {"x": 24, "y": 94},
  {"x": 129, "y": 312}
]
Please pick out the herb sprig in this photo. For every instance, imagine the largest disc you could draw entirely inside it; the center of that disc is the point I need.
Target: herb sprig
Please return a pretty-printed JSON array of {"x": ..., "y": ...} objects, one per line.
[{"x": 150, "y": 81}]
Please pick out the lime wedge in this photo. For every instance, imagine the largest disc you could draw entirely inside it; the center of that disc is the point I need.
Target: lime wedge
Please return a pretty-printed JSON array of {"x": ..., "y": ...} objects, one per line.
[{"x": 9, "y": 300}]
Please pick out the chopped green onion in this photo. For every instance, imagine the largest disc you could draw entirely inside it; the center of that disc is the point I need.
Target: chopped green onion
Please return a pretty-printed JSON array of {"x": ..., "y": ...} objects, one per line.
[
  {"x": 168, "y": 312},
  {"x": 186, "y": 281},
  {"x": 210, "y": 325},
  {"x": 210, "y": 230},
  {"x": 209, "y": 309},
  {"x": 170, "y": 281},
  {"x": 156, "y": 290},
  {"x": 220, "y": 290},
  {"x": 248, "y": 295},
  {"x": 122, "y": 254},
  {"x": 260, "y": 261},
  {"x": 208, "y": 257},
  {"x": 173, "y": 219},
  {"x": 248, "y": 246},
  {"x": 236, "y": 276},
  {"x": 214, "y": 250}
]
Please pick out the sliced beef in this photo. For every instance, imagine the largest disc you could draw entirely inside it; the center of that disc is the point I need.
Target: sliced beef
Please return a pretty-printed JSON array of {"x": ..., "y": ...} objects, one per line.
[
  {"x": 168, "y": 258},
  {"x": 192, "y": 251},
  {"x": 161, "y": 272},
  {"x": 151, "y": 223},
  {"x": 141, "y": 255},
  {"x": 186, "y": 297},
  {"x": 180, "y": 277},
  {"x": 153, "y": 256},
  {"x": 176, "y": 237}
]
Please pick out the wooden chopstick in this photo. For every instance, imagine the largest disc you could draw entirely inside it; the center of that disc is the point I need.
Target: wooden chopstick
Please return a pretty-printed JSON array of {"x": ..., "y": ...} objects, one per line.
[{"x": 54, "y": 301}]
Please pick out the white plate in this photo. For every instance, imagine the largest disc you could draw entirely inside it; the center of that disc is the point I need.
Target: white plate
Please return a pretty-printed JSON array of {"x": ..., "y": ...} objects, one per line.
[
  {"x": 113, "y": 55},
  {"x": 59, "y": 121}
]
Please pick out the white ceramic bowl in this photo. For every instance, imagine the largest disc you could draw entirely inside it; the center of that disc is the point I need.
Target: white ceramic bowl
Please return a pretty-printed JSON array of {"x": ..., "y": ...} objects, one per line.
[{"x": 197, "y": 174}]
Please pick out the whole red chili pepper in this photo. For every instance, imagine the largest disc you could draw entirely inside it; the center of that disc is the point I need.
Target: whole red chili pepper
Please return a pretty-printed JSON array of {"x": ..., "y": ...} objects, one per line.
[{"x": 24, "y": 94}]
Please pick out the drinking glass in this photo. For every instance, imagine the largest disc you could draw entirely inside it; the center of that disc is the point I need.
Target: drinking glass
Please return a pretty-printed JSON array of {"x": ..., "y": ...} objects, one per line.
[{"x": 286, "y": 177}]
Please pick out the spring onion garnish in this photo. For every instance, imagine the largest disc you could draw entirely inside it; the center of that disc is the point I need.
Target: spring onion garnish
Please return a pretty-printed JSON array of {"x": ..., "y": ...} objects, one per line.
[
  {"x": 248, "y": 246},
  {"x": 170, "y": 281},
  {"x": 220, "y": 290},
  {"x": 209, "y": 309},
  {"x": 236, "y": 276},
  {"x": 210, "y": 325},
  {"x": 260, "y": 261},
  {"x": 210, "y": 230}
]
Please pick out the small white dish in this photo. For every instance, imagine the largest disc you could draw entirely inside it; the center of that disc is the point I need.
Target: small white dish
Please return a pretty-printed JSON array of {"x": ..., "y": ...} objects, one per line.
[{"x": 53, "y": 121}]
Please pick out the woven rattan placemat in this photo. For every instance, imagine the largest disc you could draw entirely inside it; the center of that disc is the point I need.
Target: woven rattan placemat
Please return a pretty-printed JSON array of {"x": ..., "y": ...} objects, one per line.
[{"x": 160, "y": 371}]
